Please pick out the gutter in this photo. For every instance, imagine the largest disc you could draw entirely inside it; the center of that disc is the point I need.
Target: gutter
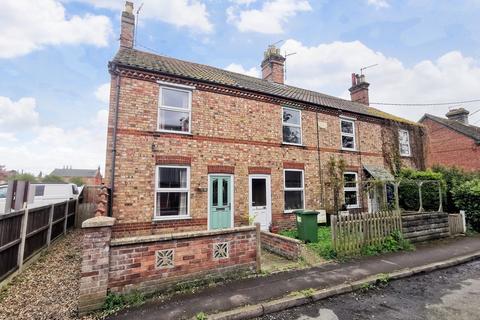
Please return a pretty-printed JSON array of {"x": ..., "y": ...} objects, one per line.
[{"x": 114, "y": 142}]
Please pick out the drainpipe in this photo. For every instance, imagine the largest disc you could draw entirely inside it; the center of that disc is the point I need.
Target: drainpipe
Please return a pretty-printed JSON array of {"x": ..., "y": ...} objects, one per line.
[
  {"x": 320, "y": 175},
  {"x": 114, "y": 142}
]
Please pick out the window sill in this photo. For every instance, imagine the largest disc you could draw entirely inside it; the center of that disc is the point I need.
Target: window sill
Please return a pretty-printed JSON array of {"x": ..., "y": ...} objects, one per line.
[
  {"x": 175, "y": 132},
  {"x": 293, "y": 144},
  {"x": 405, "y": 156},
  {"x": 157, "y": 219},
  {"x": 349, "y": 150}
]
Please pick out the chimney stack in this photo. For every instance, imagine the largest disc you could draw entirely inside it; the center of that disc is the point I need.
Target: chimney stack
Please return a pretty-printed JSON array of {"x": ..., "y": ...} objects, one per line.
[
  {"x": 359, "y": 89},
  {"x": 273, "y": 65},
  {"x": 127, "y": 28},
  {"x": 460, "y": 115}
]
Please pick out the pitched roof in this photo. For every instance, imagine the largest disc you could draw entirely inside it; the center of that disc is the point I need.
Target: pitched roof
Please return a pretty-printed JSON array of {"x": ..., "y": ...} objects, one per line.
[
  {"x": 156, "y": 63},
  {"x": 466, "y": 129},
  {"x": 74, "y": 172}
]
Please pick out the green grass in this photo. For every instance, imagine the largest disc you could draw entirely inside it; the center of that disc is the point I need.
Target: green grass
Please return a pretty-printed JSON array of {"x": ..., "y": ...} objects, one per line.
[{"x": 323, "y": 247}]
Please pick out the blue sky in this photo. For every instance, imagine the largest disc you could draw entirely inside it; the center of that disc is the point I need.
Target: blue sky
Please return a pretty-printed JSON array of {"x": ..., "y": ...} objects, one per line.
[{"x": 54, "y": 55}]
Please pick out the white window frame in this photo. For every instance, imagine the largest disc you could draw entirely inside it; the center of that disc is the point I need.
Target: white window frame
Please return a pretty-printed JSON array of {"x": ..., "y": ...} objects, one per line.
[
  {"x": 285, "y": 189},
  {"x": 158, "y": 190},
  {"x": 345, "y": 189},
  {"x": 353, "y": 135},
  {"x": 400, "y": 131},
  {"x": 285, "y": 124},
  {"x": 176, "y": 109}
]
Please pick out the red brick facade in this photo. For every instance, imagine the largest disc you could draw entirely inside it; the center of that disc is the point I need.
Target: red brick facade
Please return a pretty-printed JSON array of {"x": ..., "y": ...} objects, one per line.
[
  {"x": 448, "y": 147},
  {"x": 281, "y": 245},
  {"x": 233, "y": 133}
]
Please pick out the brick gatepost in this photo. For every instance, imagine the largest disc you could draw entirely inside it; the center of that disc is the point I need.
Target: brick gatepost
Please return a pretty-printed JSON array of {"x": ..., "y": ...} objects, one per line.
[{"x": 95, "y": 263}]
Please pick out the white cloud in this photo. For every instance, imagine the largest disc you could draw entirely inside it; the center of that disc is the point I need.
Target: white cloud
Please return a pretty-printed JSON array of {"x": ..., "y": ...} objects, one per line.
[
  {"x": 17, "y": 115},
  {"x": 31, "y": 25},
  {"x": 234, "y": 67},
  {"x": 181, "y": 13},
  {"x": 327, "y": 68},
  {"x": 378, "y": 3},
  {"x": 269, "y": 19},
  {"x": 38, "y": 147},
  {"x": 103, "y": 93}
]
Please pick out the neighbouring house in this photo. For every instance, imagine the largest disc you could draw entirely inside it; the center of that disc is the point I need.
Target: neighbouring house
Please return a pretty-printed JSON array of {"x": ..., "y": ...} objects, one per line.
[
  {"x": 194, "y": 147},
  {"x": 452, "y": 141},
  {"x": 89, "y": 176}
]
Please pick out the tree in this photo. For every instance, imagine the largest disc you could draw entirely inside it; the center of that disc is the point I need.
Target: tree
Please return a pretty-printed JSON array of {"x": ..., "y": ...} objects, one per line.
[
  {"x": 335, "y": 171},
  {"x": 78, "y": 181},
  {"x": 24, "y": 177},
  {"x": 50, "y": 178}
]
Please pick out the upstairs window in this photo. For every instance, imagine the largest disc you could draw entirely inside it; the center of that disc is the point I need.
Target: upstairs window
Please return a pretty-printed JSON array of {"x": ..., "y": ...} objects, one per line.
[
  {"x": 174, "y": 110},
  {"x": 39, "y": 191},
  {"x": 404, "y": 142},
  {"x": 293, "y": 190},
  {"x": 172, "y": 192},
  {"x": 292, "y": 126},
  {"x": 347, "y": 128},
  {"x": 350, "y": 189}
]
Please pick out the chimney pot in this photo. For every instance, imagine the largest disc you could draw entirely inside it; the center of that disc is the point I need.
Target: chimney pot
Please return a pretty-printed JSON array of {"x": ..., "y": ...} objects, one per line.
[
  {"x": 459, "y": 114},
  {"x": 127, "y": 26}
]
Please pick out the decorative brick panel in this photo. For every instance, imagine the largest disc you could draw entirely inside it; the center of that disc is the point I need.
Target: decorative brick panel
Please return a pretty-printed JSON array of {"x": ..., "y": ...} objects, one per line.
[
  {"x": 221, "y": 169},
  {"x": 293, "y": 165},
  {"x": 179, "y": 160},
  {"x": 259, "y": 170}
]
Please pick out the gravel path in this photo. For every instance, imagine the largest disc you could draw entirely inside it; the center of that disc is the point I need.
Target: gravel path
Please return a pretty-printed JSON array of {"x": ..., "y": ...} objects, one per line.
[{"x": 47, "y": 289}]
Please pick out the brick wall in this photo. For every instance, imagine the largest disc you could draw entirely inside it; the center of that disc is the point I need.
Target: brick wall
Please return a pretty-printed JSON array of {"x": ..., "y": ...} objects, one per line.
[
  {"x": 281, "y": 245},
  {"x": 134, "y": 263},
  {"x": 227, "y": 132},
  {"x": 450, "y": 148}
]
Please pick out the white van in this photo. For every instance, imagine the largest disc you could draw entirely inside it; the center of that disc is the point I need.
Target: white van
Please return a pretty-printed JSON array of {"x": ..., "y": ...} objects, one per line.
[{"x": 44, "y": 193}]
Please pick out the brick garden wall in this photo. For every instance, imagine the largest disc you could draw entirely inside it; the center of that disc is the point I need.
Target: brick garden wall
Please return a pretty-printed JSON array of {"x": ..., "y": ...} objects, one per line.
[
  {"x": 227, "y": 131},
  {"x": 450, "y": 148},
  {"x": 281, "y": 245},
  {"x": 134, "y": 262}
]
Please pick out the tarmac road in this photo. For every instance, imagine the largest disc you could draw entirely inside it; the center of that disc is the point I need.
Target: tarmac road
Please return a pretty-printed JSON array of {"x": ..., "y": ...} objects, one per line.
[{"x": 452, "y": 293}]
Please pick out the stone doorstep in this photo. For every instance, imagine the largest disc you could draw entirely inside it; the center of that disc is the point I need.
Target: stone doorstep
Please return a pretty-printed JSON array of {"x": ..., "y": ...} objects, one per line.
[
  {"x": 178, "y": 236},
  {"x": 258, "y": 310}
]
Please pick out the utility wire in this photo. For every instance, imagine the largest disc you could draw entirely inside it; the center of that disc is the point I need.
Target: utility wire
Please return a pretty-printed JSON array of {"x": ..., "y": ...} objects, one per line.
[{"x": 425, "y": 104}]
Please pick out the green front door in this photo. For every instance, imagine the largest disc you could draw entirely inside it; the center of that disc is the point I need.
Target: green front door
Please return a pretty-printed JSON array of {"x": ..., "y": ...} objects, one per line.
[{"x": 220, "y": 202}]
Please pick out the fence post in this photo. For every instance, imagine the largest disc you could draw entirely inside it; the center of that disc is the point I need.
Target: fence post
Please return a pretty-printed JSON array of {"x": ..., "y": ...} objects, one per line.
[
  {"x": 65, "y": 215},
  {"x": 464, "y": 222},
  {"x": 397, "y": 198},
  {"x": 75, "y": 224},
  {"x": 420, "y": 209},
  {"x": 23, "y": 235},
  {"x": 50, "y": 221},
  {"x": 259, "y": 247},
  {"x": 440, "y": 207},
  {"x": 333, "y": 223}
]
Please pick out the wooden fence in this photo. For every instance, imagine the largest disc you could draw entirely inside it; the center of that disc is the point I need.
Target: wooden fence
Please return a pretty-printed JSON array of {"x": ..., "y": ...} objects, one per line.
[
  {"x": 23, "y": 233},
  {"x": 350, "y": 233},
  {"x": 87, "y": 203},
  {"x": 456, "y": 223}
]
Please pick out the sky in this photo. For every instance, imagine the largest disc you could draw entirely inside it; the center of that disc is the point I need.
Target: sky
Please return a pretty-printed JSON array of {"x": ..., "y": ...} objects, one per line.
[{"x": 54, "y": 55}]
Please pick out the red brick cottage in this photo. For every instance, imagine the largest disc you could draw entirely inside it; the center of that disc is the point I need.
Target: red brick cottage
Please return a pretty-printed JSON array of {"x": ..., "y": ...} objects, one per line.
[
  {"x": 452, "y": 141},
  {"x": 193, "y": 147}
]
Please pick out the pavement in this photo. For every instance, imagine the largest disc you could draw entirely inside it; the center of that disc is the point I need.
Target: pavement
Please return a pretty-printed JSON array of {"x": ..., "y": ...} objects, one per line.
[
  {"x": 260, "y": 289},
  {"x": 451, "y": 293}
]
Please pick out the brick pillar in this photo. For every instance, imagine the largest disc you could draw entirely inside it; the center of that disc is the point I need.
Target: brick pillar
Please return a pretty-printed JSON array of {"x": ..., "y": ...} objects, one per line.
[{"x": 95, "y": 263}]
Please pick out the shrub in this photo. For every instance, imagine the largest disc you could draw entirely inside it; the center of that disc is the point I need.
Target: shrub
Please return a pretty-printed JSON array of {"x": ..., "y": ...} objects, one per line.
[
  {"x": 394, "y": 242},
  {"x": 408, "y": 189},
  {"x": 466, "y": 196}
]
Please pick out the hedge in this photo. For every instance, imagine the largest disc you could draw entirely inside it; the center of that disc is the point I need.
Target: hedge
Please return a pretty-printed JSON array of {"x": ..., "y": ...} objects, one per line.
[{"x": 467, "y": 197}]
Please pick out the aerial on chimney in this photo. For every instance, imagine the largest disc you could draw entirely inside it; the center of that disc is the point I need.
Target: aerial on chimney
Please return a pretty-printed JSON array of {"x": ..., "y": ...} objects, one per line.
[
  {"x": 127, "y": 28},
  {"x": 273, "y": 65},
  {"x": 359, "y": 89},
  {"x": 459, "y": 114}
]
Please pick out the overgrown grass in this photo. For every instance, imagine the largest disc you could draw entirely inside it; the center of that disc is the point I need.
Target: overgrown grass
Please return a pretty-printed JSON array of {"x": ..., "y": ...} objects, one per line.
[
  {"x": 323, "y": 247},
  {"x": 394, "y": 242}
]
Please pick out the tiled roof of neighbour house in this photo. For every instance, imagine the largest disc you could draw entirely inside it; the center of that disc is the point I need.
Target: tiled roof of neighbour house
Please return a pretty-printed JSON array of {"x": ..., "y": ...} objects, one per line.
[
  {"x": 169, "y": 66},
  {"x": 74, "y": 172},
  {"x": 465, "y": 129}
]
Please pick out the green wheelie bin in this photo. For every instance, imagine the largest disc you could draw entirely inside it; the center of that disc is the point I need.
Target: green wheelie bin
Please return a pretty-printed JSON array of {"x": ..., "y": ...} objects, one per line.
[{"x": 307, "y": 226}]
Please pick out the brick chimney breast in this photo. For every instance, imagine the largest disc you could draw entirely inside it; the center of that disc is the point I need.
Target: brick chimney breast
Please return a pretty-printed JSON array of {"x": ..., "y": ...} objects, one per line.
[
  {"x": 273, "y": 65},
  {"x": 460, "y": 115},
  {"x": 359, "y": 89},
  {"x": 127, "y": 26}
]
